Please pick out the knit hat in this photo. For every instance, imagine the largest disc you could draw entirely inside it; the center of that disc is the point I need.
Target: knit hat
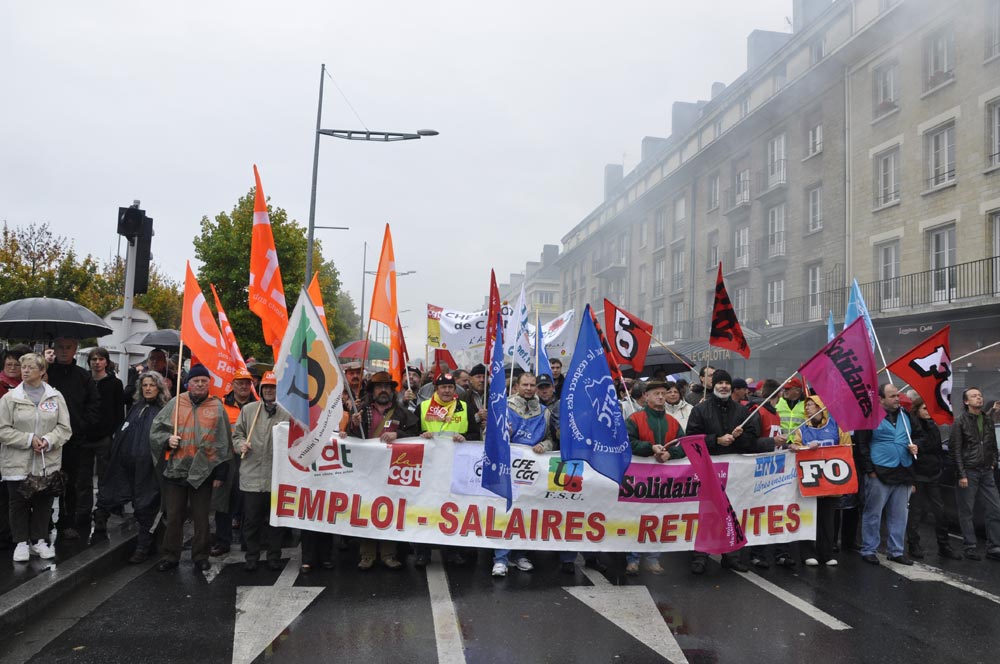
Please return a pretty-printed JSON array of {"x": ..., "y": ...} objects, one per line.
[
  {"x": 197, "y": 371},
  {"x": 721, "y": 375},
  {"x": 478, "y": 370},
  {"x": 739, "y": 384},
  {"x": 444, "y": 379}
]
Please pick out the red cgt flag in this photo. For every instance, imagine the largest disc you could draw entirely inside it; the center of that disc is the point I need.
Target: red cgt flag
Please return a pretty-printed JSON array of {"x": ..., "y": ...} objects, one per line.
[
  {"x": 927, "y": 368},
  {"x": 491, "y": 315},
  {"x": 629, "y": 337},
  {"x": 726, "y": 331},
  {"x": 200, "y": 333}
]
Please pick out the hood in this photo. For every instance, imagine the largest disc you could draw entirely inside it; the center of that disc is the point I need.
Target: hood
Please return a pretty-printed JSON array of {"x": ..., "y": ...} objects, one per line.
[{"x": 824, "y": 416}]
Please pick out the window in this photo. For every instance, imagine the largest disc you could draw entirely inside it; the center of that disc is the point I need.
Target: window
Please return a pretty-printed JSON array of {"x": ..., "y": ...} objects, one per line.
[
  {"x": 713, "y": 191},
  {"x": 780, "y": 77},
  {"x": 814, "y": 141},
  {"x": 642, "y": 280},
  {"x": 677, "y": 318},
  {"x": 887, "y": 177},
  {"x": 713, "y": 249},
  {"x": 776, "y": 302},
  {"x": 660, "y": 228},
  {"x": 659, "y": 276},
  {"x": 741, "y": 248},
  {"x": 544, "y": 297},
  {"x": 992, "y": 29},
  {"x": 742, "y": 187},
  {"x": 885, "y": 93},
  {"x": 814, "y": 207},
  {"x": 813, "y": 281},
  {"x": 887, "y": 261},
  {"x": 643, "y": 233},
  {"x": 939, "y": 146},
  {"x": 939, "y": 58},
  {"x": 885, "y": 5},
  {"x": 942, "y": 263},
  {"x": 745, "y": 106},
  {"x": 776, "y": 231},
  {"x": 993, "y": 132},
  {"x": 680, "y": 214},
  {"x": 677, "y": 273},
  {"x": 817, "y": 49},
  {"x": 717, "y": 128},
  {"x": 740, "y": 302},
  {"x": 776, "y": 161},
  {"x": 995, "y": 225},
  {"x": 658, "y": 320}
]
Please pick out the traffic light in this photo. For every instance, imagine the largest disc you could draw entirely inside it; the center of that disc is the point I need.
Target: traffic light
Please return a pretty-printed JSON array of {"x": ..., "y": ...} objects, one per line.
[{"x": 138, "y": 228}]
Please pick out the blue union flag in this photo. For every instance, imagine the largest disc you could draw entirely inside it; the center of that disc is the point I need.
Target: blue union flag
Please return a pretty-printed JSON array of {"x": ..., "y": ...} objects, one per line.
[{"x": 496, "y": 450}]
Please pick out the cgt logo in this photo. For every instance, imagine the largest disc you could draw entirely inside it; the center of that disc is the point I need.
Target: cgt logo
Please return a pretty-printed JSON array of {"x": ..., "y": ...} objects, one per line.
[
  {"x": 406, "y": 464},
  {"x": 524, "y": 471},
  {"x": 565, "y": 479},
  {"x": 769, "y": 465}
]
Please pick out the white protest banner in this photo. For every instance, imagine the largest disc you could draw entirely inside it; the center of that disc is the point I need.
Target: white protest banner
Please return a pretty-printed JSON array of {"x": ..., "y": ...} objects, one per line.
[
  {"x": 427, "y": 491},
  {"x": 554, "y": 334},
  {"x": 455, "y": 330}
]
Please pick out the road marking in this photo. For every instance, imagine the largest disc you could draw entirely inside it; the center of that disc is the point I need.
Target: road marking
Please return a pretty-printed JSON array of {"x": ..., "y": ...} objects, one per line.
[
  {"x": 446, "y": 632},
  {"x": 805, "y": 607},
  {"x": 922, "y": 572},
  {"x": 263, "y": 612},
  {"x": 629, "y": 608}
]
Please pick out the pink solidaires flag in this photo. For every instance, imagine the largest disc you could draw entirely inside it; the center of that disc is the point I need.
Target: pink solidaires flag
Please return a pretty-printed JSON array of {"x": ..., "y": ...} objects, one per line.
[
  {"x": 719, "y": 529},
  {"x": 843, "y": 373}
]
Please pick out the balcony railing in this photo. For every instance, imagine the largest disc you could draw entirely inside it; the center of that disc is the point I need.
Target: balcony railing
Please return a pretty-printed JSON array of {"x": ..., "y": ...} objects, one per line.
[
  {"x": 938, "y": 78},
  {"x": 940, "y": 178},
  {"x": 883, "y": 198},
  {"x": 737, "y": 197},
  {"x": 775, "y": 175},
  {"x": 610, "y": 267}
]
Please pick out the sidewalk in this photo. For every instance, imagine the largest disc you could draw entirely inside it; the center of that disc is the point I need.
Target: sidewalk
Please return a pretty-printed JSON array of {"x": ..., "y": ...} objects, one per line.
[{"x": 28, "y": 588}]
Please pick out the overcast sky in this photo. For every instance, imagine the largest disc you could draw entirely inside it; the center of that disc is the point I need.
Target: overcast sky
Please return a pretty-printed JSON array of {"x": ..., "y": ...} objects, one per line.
[{"x": 106, "y": 102}]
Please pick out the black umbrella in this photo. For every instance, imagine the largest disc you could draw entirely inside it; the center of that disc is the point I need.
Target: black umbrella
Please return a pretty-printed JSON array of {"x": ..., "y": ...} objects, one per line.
[
  {"x": 661, "y": 359},
  {"x": 42, "y": 318},
  {"x": 165, "y": 339}
]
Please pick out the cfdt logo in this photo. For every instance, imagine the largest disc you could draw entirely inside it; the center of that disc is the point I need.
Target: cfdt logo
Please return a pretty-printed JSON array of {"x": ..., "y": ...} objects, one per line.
[
  {"x": 565, "y": 479},
  {"x": 406, "y": 463},
  {"x": 769, "y": 465},
  {"x": 335, "y": 456}
]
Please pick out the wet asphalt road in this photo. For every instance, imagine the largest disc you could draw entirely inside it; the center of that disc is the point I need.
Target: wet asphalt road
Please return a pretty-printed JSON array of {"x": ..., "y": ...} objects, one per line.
[{"x": 943, "y": 611}]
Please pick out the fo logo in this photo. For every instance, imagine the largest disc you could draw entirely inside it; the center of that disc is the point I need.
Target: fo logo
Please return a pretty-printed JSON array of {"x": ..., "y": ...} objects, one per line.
[
  {"x": 406, "y": 463},
  {"x": 565, "y": 476},
  {"x": 834, "y": 471}
]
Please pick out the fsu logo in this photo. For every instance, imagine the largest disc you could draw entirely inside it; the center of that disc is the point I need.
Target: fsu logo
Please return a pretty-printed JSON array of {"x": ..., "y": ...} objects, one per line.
[
  {"x": 406, "y": 463},
  {"x": 565, "y": 476}
]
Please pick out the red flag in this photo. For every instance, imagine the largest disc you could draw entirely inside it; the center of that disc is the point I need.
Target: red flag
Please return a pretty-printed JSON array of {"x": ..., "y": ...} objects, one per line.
[
  {"x": 629, "y": 336},
  {"x": 726, "y": 331},
  {"x": 827, "y": 471},
  {"x": 267, "y": 294},
  {"x": 402, "y": 341},
  {"x": 616, "y": 372},
  {"x": 491, "y": 315},
  {"x": 227, "y": 335},
  {"x": 443, "y": 358},
  {"x": 200, "y": 333},
  {"x": 927, "y": 368}
]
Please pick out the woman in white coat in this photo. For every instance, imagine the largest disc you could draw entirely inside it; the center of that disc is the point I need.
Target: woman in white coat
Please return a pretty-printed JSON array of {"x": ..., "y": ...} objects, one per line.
[{"x": 34, "y": 424}]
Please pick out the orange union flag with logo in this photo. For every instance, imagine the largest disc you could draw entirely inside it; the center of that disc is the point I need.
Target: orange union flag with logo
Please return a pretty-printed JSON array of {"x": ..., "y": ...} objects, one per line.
[
  {"x": 201, "y": 334},
  {"x": 267, "y": 294},
  {"x": 384, "y": 308}
]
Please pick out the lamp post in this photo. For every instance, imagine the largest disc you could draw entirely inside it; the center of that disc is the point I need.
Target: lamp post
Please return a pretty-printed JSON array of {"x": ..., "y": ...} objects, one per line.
[
  {"x": 350, "y": 135},
  {"x": 364, "y": 271}
]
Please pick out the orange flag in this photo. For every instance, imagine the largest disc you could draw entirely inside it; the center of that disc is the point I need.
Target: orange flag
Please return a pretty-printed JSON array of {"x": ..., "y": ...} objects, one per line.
[
  {"x": 267, "y": 294},
  {"x": 227, "y": 335},
  {"x": 384, "y": 307},
  {"x": 200, "y": 333},
  {"x": 317, "y": 300}
]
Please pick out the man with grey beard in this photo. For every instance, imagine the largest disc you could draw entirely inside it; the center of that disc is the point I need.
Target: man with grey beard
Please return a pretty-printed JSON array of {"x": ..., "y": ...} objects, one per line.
[{"x": 718, "y": 417}]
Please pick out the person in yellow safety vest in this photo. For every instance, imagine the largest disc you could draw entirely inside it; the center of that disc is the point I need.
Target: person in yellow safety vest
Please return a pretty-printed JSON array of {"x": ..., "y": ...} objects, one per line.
[{"x": 791, "y": 407}]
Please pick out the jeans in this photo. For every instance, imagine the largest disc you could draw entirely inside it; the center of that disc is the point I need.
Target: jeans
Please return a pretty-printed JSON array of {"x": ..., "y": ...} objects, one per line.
[
  {"x": 891, "y": 498},
  {"x": 504, "y": 556},
  {"x": 982, "y": 486},
  {"x": 635, "y": 557}
]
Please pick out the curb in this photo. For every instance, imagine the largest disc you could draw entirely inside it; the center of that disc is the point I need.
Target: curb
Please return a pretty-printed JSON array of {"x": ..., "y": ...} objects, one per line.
[{"x": 32, "y": 597}]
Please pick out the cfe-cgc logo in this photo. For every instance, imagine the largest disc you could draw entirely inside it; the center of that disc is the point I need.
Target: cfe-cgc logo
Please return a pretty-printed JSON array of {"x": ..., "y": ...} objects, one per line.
[
  {"x": 565, "y": 479},
  {"x": 524, "y": 471},
  {"x": 406, "y": 463}
]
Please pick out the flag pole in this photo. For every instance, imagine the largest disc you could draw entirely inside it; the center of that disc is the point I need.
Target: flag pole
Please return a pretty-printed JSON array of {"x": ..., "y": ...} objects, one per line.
[
  {"x": 538, "y": 338},
  {"x": 180, "y": 363},
  {"x": 781, "y": 386},
  {"x": 252, "y": 425},
  {"x": 668, "y": 349}
]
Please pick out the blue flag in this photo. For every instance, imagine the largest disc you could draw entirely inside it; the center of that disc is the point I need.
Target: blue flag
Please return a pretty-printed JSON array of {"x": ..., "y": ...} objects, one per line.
[
  {"x": 591, "y": 424},
  {"x": 856, "y": 308},
  {"x": 496, "y": 451},
  {"x": 830, "y": 331},
  {"x": 542, "y": 367}
]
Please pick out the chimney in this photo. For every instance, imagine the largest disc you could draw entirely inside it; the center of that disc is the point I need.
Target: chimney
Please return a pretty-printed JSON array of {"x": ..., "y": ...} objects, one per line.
[
  {"x": 717, "y": 89},
  {"x": 762, "y": 44},
  {"x": 683, "y": 115},
  {"x": 550, "y": 252},
  {"x": 651, "y": 145},
  {"x": 805, "y": 12},
  {"x": 613, "y": 176}
]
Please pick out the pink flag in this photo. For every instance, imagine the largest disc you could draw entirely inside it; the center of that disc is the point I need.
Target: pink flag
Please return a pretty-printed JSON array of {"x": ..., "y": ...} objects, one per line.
[
  {"x": 843, "y": 374},
  {"x": 719, "y": 529}
]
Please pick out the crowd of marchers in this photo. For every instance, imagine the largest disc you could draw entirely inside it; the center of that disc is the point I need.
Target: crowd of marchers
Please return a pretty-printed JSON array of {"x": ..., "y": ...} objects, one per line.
[{"x": 175, "y": 453}]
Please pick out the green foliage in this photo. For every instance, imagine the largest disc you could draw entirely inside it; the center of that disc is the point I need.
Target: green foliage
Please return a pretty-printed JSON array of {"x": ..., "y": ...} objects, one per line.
[{"x": 223, "y": 248}]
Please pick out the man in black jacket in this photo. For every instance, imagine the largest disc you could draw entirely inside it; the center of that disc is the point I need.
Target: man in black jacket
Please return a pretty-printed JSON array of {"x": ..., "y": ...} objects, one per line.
[
  {"x": 84, "y": 403},
  {"x": 718, "y": 417},
  {"x": 974, "y": 449}
]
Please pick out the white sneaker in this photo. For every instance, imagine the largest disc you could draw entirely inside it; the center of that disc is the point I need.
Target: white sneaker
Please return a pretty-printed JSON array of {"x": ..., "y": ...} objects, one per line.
[
  {"x": 812, "y": 562},
  {"x": 43, "y": 550},
  {"x": 22, "y": 553},
  {"x": 499, "y": 569},
  {"x": 832, "y": 562},
  {"x": 524, "y": 565}
]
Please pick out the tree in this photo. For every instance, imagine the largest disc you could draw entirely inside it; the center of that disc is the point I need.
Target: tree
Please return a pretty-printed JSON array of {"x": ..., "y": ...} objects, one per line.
[
  {"x": 223, "y": 247},
  {"x": 162, "y": 300}
]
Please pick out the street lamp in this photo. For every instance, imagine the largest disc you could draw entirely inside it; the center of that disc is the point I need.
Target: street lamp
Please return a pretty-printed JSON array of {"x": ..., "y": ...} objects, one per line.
[
  {"x": 350, "y": 135},
  {"x": 364, "y": 271}
]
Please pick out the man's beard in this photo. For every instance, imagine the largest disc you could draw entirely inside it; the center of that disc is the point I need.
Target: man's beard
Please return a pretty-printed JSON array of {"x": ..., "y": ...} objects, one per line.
[
  {"x": 383, "y": 399},
  {"x": 715, "y": 391}
]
